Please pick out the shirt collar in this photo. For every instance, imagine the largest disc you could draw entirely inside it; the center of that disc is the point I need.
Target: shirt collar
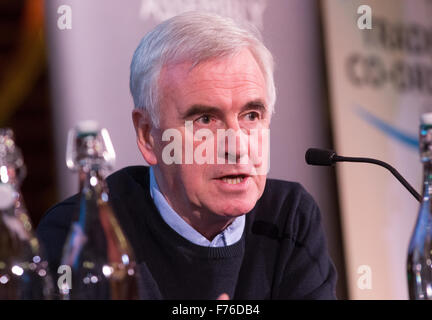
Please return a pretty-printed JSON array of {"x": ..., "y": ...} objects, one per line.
[{"x": 227, "y": 237}]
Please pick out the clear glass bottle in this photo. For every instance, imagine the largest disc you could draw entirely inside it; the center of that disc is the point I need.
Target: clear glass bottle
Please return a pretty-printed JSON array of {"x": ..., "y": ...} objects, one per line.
[
  {"x": 97, "y": 251},
  {"x": 419, "y": 262},
  {"x": 24, "y": 272}
]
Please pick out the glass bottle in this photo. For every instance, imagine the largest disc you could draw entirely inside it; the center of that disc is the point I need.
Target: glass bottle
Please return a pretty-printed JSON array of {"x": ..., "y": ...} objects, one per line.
[
  {"x": 24, "y": 272},
  {"x": 419, "y": 262},
  {"x": 97, "y": 251}
]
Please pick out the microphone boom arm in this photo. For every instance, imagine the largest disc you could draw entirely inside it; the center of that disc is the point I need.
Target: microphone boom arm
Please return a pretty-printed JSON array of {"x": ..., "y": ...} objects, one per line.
[
  {"x": 395, "y": 173},
  {"x": 324, "y": 157}
]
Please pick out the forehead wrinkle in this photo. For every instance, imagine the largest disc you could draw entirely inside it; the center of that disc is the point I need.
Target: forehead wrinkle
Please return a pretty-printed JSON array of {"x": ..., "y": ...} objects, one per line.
[
  {"x": 228, "y": 94},
  {"x": 180, "y": 78},
  {"x": 252, "y": 92},
  {"x": 215, "y": 73},
  {"x": 227, "y": 85},
  {"x": 240, "y": 81},
  {"x": 183, "y": 73}
]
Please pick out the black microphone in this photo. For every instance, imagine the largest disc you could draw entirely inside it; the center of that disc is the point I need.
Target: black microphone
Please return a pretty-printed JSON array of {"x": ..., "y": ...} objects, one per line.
[
  {"x": 323, "y": 157},
  {"x": 320, "y": 157}
]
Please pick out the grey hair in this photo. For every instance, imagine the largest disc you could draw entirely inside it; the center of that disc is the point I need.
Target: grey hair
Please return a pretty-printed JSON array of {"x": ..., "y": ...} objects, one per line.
[{"x": 196, "y": 37}]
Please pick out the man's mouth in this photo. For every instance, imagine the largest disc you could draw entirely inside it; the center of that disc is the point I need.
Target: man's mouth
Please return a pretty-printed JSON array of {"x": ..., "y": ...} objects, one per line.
[{"x": 233, "y": 179}]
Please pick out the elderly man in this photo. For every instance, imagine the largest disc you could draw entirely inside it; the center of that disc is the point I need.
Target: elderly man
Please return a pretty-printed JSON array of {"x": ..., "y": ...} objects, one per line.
[{"x": 203, "y": 219}]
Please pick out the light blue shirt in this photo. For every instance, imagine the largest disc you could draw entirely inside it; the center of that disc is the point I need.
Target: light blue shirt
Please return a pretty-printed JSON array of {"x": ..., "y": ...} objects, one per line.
[{"x": 227, "y": 237}]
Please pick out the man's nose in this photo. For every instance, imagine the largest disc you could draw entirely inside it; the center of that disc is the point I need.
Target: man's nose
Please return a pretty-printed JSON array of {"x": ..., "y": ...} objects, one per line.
[
  {"x": 235, "y": 143},
  {"x": 240, "y": 153}
]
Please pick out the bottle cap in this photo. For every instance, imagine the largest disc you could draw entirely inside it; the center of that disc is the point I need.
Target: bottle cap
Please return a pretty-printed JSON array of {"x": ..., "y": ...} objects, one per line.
[
  {"x": 98, "y": 147},
  {"x": 426, "y": 118},
  {"x": 87, "y": 126}
]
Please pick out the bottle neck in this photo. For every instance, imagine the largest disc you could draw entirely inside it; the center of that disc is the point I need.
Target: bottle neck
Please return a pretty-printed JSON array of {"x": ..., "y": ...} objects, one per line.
[
  {"x": 427, "y": 180},
  {"x": 8, "y": 199},
  {"x": 9, "y": 174},
  {"x": 9, "y": 190},
  {"x": 91, "y": 178},
  {"x": 92, "y": 193}
]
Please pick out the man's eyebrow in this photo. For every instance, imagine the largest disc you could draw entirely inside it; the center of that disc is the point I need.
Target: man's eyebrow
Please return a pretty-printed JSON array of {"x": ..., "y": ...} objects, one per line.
[
  {"x": 255, "y": 105},
  {"x": 198, "y": 109}
]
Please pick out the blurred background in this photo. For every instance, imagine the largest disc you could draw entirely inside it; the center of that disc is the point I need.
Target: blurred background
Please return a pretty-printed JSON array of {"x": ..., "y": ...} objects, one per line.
[
  {"x": 350, "y": 78},
  {"x": 25, "y": 102}
]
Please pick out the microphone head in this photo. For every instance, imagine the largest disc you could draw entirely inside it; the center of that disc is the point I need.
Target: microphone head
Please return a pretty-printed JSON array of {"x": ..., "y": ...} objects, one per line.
[{"x": 319, "y": 157}]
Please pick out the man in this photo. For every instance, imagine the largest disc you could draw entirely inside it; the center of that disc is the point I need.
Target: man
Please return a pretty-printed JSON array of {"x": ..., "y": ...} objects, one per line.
[{"x": 206, "y": 224}]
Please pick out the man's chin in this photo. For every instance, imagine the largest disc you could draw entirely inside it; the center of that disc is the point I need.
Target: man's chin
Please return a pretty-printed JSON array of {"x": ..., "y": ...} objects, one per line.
[{"x": 234, "y": 210}]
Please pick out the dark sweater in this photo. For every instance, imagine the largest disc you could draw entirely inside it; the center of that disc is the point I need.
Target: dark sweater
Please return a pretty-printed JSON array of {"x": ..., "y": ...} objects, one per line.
[{"x": 281, "y": 255}]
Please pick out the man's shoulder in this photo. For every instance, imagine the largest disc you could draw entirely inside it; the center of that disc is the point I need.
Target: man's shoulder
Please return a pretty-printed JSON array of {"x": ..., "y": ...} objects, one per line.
[
  {"x": 55, "y": 224},
  {"x": 290, "y": 220},
  {"x": 284, "y": 188},
  {"x": 129, "y": 178},
  {"x": 287, "y": 206},
  {"x": 122, "y": 182},
  {"x": 278, "y": 193},
  {"x": 119, "y": 182}
]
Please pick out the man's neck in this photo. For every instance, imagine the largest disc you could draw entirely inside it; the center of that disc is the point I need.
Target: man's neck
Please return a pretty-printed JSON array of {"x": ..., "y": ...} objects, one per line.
[{"x": 206, "y": 223}]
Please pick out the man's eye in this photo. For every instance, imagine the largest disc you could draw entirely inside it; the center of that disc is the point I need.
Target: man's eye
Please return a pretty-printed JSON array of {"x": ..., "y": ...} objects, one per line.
[
  {"x": 204, "y": 119},
  {"x": 252, "y": 116}
]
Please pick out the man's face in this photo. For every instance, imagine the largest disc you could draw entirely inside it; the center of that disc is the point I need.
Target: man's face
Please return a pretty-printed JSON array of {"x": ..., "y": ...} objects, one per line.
[{"x": 228, "y": 93}]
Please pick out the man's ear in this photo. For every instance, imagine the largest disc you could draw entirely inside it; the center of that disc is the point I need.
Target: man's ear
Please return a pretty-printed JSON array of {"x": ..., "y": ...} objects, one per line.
[{"x": 143, "y": 125}]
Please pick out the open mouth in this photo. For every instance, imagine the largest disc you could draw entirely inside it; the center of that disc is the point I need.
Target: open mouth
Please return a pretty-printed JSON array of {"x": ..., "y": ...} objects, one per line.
[{"x": 234, "y": 179}]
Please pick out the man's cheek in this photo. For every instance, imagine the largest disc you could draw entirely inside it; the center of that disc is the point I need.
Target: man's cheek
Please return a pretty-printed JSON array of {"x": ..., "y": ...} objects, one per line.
[
  {"x": 193, "y": 176},
  {"x": 259, "y": 151},
  {"x": 172, "y": 147},
  {"x": 204, "y": 147}
]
